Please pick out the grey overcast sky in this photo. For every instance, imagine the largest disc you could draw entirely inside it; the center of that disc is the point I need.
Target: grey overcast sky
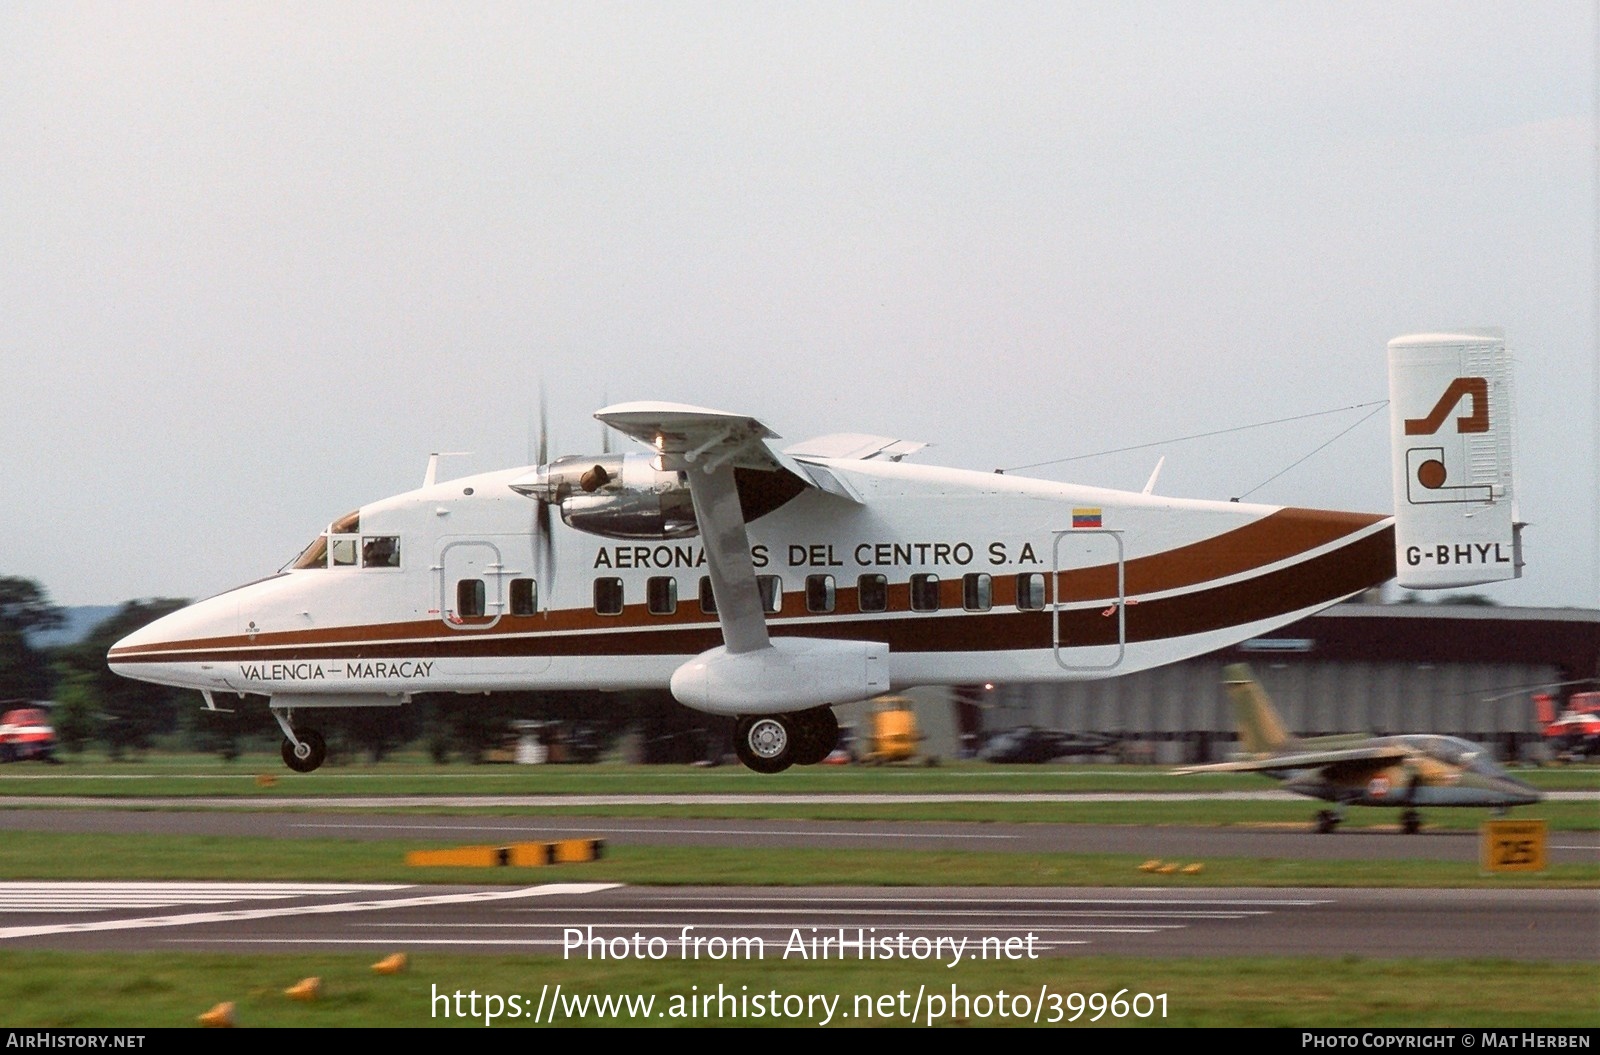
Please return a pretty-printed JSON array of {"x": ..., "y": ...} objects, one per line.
[{"x": 260, "y": 258}]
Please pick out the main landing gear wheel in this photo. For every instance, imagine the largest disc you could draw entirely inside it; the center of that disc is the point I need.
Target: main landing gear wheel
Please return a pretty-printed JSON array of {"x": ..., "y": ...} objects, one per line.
[
  {"x": 764, "y": 743},
  {"x": 1327, "y": 821},
  {"x": 1410, "y": 822},
  {"x": 816, "y": 735},
  {"x": 309, "y": 754}
]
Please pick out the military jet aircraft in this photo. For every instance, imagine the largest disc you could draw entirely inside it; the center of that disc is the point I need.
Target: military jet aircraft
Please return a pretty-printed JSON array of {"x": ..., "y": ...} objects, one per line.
[{"x": 1408, "y": 771}]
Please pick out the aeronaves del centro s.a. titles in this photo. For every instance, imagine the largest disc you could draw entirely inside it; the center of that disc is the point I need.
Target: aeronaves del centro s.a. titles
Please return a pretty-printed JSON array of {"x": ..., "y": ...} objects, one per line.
[{"x": 772, "y": 584}]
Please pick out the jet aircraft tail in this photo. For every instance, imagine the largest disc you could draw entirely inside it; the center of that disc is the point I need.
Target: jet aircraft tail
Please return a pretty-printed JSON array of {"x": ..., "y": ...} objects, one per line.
[{"x": 1261, "y": 730}]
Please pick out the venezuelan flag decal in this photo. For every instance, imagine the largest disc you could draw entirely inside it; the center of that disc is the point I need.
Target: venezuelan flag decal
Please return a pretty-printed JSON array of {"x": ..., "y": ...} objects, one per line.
[{"x": 1086, "y": 518}]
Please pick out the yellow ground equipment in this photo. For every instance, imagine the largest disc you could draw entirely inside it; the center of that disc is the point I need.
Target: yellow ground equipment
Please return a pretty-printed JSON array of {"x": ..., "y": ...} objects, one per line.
[{"x": 894, "y": 731}]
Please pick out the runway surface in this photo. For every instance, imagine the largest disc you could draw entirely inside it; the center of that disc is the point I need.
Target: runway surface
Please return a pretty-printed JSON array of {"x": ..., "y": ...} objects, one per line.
[
  {"x": 919, "y": 923},
  {"x": 1283, "y": 841},
  {"x": 935, "y": 925}
]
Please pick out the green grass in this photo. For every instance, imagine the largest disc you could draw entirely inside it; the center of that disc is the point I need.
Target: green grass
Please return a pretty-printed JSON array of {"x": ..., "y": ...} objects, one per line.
[
  {"x": 192, "y": 776},
  {"x": 62, "y": 989},
  {"x": 105, "y": 990},
  {"x": 52, "y": 856}
]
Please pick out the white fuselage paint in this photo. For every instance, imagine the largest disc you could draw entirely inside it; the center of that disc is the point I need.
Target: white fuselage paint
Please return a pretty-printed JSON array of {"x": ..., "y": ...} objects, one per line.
[{"x": 1213, "y": 573}]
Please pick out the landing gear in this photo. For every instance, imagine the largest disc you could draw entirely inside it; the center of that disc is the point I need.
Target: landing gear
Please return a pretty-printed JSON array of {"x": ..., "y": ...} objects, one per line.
[
  {"x": 303, "y": 749},
  {"x": 771, "y": 743},
  {"x": 816, "y": 735},
  {"x": 306, "y": 755},
  {"x": 763, "y": 743},
  {"x": 1410, "y": 822},
  {"x": 1327, "y": 821}
]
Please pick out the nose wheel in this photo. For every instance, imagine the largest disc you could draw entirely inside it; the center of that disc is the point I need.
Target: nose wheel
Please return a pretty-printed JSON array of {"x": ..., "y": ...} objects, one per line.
[{"x": 308, "y": 754}]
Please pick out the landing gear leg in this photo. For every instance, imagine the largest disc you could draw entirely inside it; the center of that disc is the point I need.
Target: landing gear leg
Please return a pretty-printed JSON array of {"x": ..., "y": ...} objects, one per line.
[
  {"x": 304, "y": 749},
  {"x": 1410, "y": 822},
  {"x": 1327, "y": 821},
  {"x": 765, "y": 742}
]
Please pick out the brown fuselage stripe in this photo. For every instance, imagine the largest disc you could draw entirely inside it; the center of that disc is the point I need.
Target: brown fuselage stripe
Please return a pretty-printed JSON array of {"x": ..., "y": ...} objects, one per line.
[
  {"x": 1267, "y": 541},
  {"x": 1322, "y": 580},
  {"x": 1258, "y": 544}
]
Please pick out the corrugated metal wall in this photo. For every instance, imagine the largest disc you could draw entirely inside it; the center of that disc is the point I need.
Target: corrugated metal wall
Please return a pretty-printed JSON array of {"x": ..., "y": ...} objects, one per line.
[{"x": 1170, "y": 705}]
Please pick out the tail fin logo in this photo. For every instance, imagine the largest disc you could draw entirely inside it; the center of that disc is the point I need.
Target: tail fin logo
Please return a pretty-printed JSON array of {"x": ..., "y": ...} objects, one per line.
[{"x": 1474, "y": 388}]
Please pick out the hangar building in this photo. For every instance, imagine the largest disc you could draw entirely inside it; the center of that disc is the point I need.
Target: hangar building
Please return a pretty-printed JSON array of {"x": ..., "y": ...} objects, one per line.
[{"x": 1466, "y": 670}]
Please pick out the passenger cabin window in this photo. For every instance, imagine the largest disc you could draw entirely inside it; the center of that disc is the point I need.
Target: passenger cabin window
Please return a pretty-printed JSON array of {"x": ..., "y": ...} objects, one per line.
[
  {"x": 819, "y": 593},
  {"x": 661, "y": 595},
  {"x": 977, "y": 592},
  {"x": 524, "y": 597},
  {"x": 708, "y": 600},
  {"x": 1030, "y": 590},
  {"x": 771, "y": 588},
  {"x": 872, "y": 593},
  {"x": 471, "y": 599},
  {"x": 608, "y": 596},
  {"x": 344, "y": 553},
  {"x": 380, "y": 551},
  {"x": 924, "y": 593}
]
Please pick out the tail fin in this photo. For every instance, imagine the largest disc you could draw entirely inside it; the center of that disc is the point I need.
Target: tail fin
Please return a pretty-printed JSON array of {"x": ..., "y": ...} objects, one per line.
[
  {"x": 1260, "y": 728},
  {"x": 1450, "y": 431}
]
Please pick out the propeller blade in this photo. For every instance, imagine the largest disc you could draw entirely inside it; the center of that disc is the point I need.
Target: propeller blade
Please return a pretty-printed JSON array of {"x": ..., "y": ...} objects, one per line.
[{"x": 544, "y": 435}]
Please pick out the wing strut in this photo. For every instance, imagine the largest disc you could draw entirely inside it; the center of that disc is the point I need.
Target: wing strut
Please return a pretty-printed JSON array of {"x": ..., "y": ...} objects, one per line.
[{"x": 733, "y": 575}]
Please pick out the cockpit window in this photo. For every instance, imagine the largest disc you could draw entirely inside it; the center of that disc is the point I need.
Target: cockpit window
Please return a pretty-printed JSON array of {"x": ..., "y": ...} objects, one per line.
[
  {"x": 349, "y": 524},
  {"x": 344, "y": 552},
  {"x": 314, "y": 555},
  {"x": 380, "y": 551}
]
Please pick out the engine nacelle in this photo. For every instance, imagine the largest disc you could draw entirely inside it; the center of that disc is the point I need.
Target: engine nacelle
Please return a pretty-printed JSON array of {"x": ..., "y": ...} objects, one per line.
[
  {"x": 615, "y": 495},
  {"x": 792, "y": 674}
]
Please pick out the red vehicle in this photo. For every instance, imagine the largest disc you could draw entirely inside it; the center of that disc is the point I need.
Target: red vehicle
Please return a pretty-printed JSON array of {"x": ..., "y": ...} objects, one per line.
[
  {"x": 27, "y": 733},
  {"x": 1575, "y": 732}
]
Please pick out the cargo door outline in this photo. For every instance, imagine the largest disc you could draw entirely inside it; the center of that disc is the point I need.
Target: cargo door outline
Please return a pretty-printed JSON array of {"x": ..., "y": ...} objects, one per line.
[{"x": 1057, "y": 606}]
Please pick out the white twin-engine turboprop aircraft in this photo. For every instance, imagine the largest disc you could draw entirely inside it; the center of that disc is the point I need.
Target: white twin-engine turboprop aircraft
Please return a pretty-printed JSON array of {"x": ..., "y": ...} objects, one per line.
[{"x": 773, "y": 584}]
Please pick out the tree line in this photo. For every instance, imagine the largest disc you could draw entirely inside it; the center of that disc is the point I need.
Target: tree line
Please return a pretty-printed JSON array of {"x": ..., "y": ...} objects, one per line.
[{"x": 93, "y": 709}]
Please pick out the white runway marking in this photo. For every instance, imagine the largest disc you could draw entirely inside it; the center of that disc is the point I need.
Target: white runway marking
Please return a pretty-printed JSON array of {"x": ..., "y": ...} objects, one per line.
[
  {"x": 191, "y": 918},
  {"x": 1025, "y": 899},
  {"x": 908, "y": 911},
  {"x": 94, "y": 896}
]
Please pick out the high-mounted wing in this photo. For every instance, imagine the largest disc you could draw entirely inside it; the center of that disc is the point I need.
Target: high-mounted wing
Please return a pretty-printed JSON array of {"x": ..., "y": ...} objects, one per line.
[
  {"x": 854, "y": 446},
  {"x": 708, "y": 445},
  {"x": 751, "y": 673}
]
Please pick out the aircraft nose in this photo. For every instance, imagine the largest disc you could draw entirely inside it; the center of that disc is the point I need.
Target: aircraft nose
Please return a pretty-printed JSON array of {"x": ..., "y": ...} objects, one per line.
[
  {"x": 122, "y": 654},
  {"x": 1504, "y": 786},
  {"x": 168, "y": 650},
  {"x": 1524, "y": 794}
]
